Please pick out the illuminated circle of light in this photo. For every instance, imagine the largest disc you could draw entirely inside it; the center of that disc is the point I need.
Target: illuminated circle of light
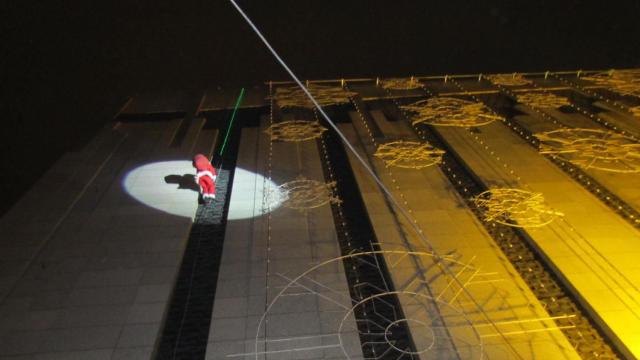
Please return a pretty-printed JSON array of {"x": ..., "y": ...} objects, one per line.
[
  {"x": 593, "y": 149},
  {"x": 146, "y": 184},
  {"x": 449, "y": 111}
]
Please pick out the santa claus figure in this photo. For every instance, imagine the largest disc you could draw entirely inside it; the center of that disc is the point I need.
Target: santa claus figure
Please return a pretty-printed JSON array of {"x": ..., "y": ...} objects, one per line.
[{"x": 205, "y": 177}]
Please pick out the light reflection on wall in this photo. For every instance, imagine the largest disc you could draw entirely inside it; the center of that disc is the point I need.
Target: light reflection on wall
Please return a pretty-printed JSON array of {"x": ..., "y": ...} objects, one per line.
[{"x": 167, "y": 186}]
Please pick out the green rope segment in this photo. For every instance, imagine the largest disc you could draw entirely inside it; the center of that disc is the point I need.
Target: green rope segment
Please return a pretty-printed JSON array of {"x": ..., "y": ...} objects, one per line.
[{"x": 233, "y": 116}]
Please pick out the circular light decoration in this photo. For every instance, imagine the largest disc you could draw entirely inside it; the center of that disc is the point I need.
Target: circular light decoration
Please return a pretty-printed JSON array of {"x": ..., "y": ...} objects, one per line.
[
  {"x": 428, "y": 330},
  {"x": 409, "y": 154},
  {"x": 446, "y": 111},
  {"x": 515, "y": 207},
  {"x": 624, "y": 82},
  {"x": 324, "y": 95},
  {"x": 400, "y": 84},
  {"x": 508, "y": 79},
  {"x": 543, "y": 100},
  {"x": 593, "y": 149},
  {"x": 295, "y": 130},
  {"x": 168, "y": 186},
  {"x": 303, "y": 194},
  {"x": 372, "y": 321}
]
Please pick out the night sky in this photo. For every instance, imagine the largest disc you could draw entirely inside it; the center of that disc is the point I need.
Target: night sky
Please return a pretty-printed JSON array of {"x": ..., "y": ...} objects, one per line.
[{"x": 66, "y": 66}]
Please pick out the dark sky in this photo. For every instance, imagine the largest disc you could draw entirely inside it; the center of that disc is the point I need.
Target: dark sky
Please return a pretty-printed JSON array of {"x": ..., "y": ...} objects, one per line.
[{"x": 66, "y": 65}]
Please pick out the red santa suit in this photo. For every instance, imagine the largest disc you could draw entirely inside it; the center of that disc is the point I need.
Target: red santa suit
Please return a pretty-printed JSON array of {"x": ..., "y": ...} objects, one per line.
[{"x": 205, "y": 176}]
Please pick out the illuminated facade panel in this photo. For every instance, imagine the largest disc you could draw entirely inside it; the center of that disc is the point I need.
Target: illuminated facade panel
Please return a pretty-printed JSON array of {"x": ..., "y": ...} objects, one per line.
[{"x": 511, "y": 196}]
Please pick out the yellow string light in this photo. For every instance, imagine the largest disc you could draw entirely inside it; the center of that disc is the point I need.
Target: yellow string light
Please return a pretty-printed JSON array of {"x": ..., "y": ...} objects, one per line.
[
  {"x": 508, "y": 79},
  {"x": 543, "y": 100},
  {"x": 515, "y": 208},
  {"x": 295, "y": 130},
  {"x": 447, "y": 111},
  {"x": 409, "y": 154},
  {"x": 593, "y": 149},
  {"x": 624, "y": 82},
  {"x": 325, "y": 95},
  {"x": 400, "y": 84}
]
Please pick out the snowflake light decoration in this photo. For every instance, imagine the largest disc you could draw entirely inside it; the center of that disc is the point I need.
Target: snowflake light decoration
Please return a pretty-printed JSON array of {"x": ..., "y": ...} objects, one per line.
[
  {"x": 409, "y": 154},
  {"x": 373, "y": 320},
  {"x": 428, "y": 335},
  {"x": 508, "y": 79},
  {"x": 324, "y": 95},
  {"x": 515, "y": 208},
  {"x": 593, "y": 149},
  {"x": 400, "y": 84},
  {"x": 303, "y": 194},
  {"x": 543, "y": 100},
  {"x": 624, "y": 82},
  {"x": 295, "y": 130},
  {"x": 446, "y": 111}
]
